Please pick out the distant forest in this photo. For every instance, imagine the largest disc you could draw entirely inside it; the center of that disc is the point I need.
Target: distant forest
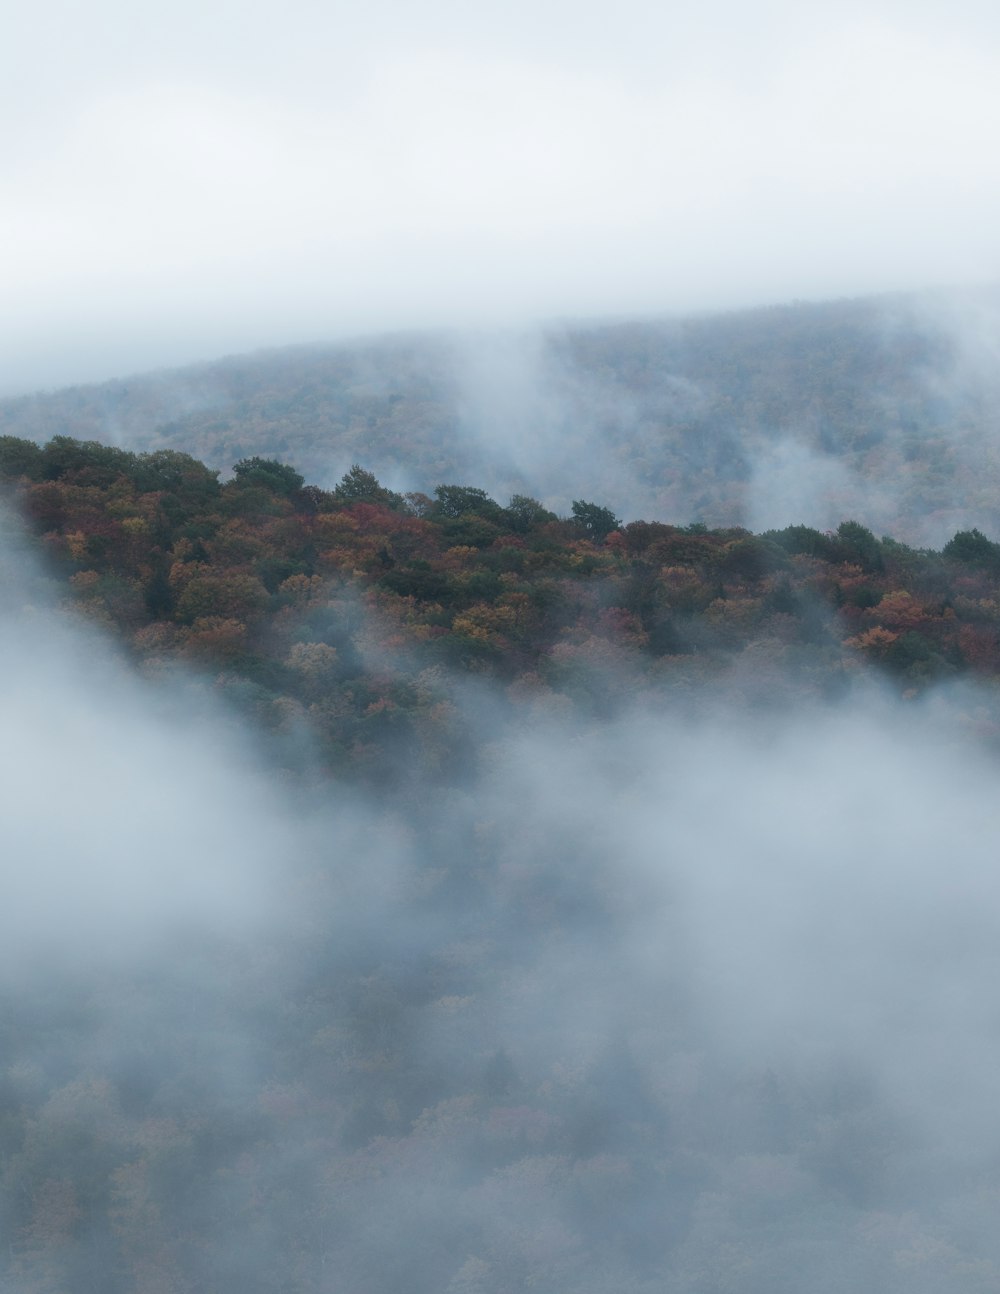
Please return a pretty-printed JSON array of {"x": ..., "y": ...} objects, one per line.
[{"x": 882, "y": 409}]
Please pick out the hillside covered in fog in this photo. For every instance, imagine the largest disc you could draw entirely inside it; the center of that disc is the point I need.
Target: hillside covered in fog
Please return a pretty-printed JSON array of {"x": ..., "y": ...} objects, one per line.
[
  {"x": 417, "y": 884},
  {"x": 499, "y": 718},
  {"x": 882, "y": 410}
]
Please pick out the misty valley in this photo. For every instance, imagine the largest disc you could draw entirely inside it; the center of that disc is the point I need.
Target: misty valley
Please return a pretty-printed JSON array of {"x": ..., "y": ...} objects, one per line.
[{"x": 580, "y": 880}]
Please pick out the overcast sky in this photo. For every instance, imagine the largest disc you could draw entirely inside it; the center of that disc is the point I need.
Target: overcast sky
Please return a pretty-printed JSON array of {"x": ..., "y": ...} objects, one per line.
[{"x": 181, "y": 180}]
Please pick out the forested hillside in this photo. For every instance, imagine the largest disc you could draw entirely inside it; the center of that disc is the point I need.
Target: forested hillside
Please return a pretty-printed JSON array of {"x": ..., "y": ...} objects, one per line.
[
  {"x": 337, "y": 610},
  {"x": 879, "y": 409},
  {"x": 485, "y": 1042}
]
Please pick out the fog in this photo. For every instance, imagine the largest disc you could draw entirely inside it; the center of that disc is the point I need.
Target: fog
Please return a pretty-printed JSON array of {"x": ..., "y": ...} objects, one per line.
[
  {"x": 697, "y": 994},
  {"x": 180, "y": 182},
  {"x": 763, "y": 419},
  {"x": 102, "y": 860}
]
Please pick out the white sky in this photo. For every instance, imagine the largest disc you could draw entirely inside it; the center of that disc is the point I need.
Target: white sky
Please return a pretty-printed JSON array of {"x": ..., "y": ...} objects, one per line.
[{"x": 181, "y": 180}]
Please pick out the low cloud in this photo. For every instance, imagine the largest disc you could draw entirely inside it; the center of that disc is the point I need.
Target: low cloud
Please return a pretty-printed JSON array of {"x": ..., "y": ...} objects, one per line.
[
  {"x": 178, "y": 196},
  {"x": 575, "y": 1018}
]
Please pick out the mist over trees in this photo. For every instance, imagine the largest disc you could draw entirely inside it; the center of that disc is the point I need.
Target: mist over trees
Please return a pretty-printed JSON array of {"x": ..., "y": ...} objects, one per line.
[
  {"x": 498, "y": 796},
  {"x": 877, "y": 409},
  {"x": 416, "y": 885}
]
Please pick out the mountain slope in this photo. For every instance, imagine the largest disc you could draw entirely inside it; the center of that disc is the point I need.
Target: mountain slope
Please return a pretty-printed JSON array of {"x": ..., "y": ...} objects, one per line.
[{"x": 880, "y": 409}]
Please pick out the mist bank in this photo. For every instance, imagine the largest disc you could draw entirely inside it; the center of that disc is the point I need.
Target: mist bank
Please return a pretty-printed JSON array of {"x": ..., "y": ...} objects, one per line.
[
  {"x": 877, "y": 409},
  {"x": 430, "y": 893},
  {"x": 695, "y": 997}
]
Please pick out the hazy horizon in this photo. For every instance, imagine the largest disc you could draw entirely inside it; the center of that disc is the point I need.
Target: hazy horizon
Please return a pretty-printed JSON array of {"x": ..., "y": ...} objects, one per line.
[
  {"x": 171, "y": 356},
  {"x": 181, "y": 184}
]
